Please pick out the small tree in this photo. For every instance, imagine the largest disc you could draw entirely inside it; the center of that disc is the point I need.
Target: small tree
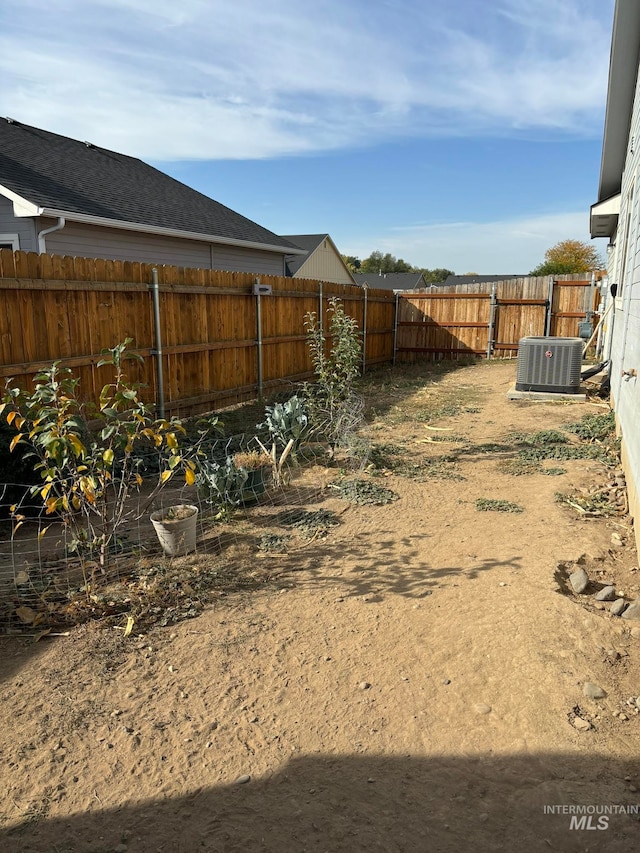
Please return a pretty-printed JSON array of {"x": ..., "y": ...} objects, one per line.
[
  {"x": 569, "y": 256},
  {"x": 334, "y": 407},
  {"x": 91, "y": 458}
]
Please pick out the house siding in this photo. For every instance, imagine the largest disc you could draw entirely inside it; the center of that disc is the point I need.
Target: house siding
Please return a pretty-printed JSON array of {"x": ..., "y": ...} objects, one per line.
[
  {"x": 90, "y": 241},
  {"x": 325, "y": 265},
  {"x": 23, "y": 227},
  {"x": 624, "y": 270}
]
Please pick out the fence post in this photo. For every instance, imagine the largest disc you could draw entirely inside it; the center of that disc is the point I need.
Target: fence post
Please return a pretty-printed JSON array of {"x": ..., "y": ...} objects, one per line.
[
  {"x": 395, "y": 328},
  {"x": 492, "y": 320},
  {"x": 364, "y": 332},
  {"x": 157, "y": 352},
  {"x": 259, "y": 337},
  {"x": 547, "y": 319}
]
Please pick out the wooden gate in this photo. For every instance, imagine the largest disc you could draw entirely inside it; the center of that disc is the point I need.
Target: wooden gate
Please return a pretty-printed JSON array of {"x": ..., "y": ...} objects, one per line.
[{"x": 490, "y": 319}]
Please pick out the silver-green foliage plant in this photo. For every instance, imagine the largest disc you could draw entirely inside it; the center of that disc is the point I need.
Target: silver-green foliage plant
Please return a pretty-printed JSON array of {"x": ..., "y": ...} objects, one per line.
[
  {"x": 221, "y": 484},
  {"x": 90, "y": 457},
  {"x": 287, "y": 421},
  {"x": 334, "y": 406}
]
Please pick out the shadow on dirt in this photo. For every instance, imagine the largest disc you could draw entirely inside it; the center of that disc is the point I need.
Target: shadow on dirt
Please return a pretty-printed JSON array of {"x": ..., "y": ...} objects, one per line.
[{"x": 363, "y": 803}]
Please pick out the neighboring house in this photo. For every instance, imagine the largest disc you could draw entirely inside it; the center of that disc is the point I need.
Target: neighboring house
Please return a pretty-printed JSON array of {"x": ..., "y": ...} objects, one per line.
[
  {"x": 391, "y": 280},
  {"x": 322, "y": 260},
  {"x": 616, "y": 215},
  {"x": 60, "y": 196}
]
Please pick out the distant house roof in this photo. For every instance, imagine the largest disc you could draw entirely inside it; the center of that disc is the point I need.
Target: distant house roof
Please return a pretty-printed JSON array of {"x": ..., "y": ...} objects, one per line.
[
  {"x": 391, "y": 280},
  {"x": 45, "y": 174},
  {"x": 311, "y": 243},
  {"x": 476, "y": 279}
]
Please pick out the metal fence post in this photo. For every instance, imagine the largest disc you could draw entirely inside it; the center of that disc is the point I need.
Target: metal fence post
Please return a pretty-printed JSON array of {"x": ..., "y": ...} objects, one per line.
[
  {"x": 493, "y": 304},
  {"x": 364, "y": 332},
  {"x": 157, "y": 352},
  {"x": 395, "y": 328},
  {"x": 259, "y": 338},
  {"x": 547, "y": 319}
]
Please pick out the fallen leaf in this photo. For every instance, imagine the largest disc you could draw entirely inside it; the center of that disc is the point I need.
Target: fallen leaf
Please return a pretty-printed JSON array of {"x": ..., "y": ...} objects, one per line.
[
  {"x": 27, "y": 615},
  {"x": 129, "y": 626}
]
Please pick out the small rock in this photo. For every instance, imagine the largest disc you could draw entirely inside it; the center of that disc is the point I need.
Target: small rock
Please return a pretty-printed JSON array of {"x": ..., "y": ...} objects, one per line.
[
  {"x": 607, "y": 593},
  {"x": 480, "y": 708},
  {"x": 632, "y": 611},
  {"x": 502, "y": 583},
  {"x": 171, "y": 668},
  {"x": 483, "y": 817},
  {"x": 635, "y": 633},
  {"x": 616, "y": 540},
  {"x": 633, "y": 789},
  {"x": 581, "y": 725},
  {"x": 593, "y": 691},
  {"x": 364, "y": 685},
  {"x": 618, "y": 607},
  {"x": 622, "y": 716},
  {"x": 242, "y": 780},
  {"x": 579, "y": 581},
  {"x": 446, "y": 681}
]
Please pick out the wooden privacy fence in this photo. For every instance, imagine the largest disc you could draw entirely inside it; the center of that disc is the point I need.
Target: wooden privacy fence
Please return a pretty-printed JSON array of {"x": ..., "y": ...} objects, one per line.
[
  {"x": 222, "y": 337},
  {"x": 221, "y": 341},
  {"x": 489, "y": 319}
]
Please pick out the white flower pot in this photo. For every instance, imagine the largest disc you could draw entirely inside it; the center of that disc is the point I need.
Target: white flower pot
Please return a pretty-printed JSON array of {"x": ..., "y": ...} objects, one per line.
[{"x": 176, "y": 528}]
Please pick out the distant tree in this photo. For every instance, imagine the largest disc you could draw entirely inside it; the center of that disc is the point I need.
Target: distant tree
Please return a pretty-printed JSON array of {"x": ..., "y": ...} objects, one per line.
[
  {"x": 470, "y": 273},
  {"x": 354, "y": 263},
  {"x": 436, "y": 275},
  {"x": 379, "y": 263},
  {"x": 569, "y": 256}
]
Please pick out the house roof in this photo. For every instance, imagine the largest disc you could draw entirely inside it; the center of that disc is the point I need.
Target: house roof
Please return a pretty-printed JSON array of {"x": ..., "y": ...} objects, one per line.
[
  {"x": 308, "y": 242},
  {"x": 46, "y": 174},
  {"x": 477, "y": 279},
  {"x": 623, "y": 70},
  {"x": 391, "y": 280}
]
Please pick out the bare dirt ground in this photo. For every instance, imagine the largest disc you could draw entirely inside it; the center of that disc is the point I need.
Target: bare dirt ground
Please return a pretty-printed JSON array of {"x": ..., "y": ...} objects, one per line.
[{"x": 410, "y": 680}]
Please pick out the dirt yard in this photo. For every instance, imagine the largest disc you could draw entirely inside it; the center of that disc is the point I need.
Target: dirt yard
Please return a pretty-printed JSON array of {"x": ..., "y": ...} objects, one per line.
[{"x": 411, "y": 679}]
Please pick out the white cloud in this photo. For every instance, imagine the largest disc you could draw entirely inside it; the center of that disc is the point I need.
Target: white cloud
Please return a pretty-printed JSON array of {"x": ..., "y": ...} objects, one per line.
[
  {"x": 511, "y": 246},
  {"x": 204, "y": 79}
]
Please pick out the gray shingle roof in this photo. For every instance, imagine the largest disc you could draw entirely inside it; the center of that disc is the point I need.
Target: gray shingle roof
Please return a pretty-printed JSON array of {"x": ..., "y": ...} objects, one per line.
[
  {"x": 391, "y": 280},
  {"x": 475, "y": 279},
  {"x": 63, "y": 174},
  {"x": 308, "y": 242}
]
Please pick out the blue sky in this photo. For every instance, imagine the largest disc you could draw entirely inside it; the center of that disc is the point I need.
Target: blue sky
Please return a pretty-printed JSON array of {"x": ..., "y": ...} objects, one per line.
[{"x": 457, "y": 133}]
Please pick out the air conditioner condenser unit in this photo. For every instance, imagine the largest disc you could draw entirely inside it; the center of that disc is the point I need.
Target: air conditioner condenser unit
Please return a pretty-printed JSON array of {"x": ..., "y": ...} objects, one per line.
[{"x": 549, "y": 364}]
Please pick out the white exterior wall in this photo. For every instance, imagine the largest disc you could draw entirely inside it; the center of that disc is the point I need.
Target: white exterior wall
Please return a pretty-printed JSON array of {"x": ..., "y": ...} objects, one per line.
[
  {"x": 325, "y": 265},
  {"x": 624, "y": 270},
  {"x": 90, "y": 241},
  {"x": 10, "y": 224}
]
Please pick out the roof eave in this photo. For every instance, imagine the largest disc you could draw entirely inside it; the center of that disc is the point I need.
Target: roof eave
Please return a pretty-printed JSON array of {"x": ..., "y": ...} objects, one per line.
[
  {"x": 623, "y": 69},
  {"x": 603, "y": 217}
]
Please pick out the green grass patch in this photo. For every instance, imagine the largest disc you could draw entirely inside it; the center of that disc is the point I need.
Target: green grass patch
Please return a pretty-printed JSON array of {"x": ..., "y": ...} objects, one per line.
[
  {"x": 491, "y": 505},
  {"x": 542, "y": 438},
  {"x": 594, "y": 427},
  {"x": 364, "y": 492}
]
